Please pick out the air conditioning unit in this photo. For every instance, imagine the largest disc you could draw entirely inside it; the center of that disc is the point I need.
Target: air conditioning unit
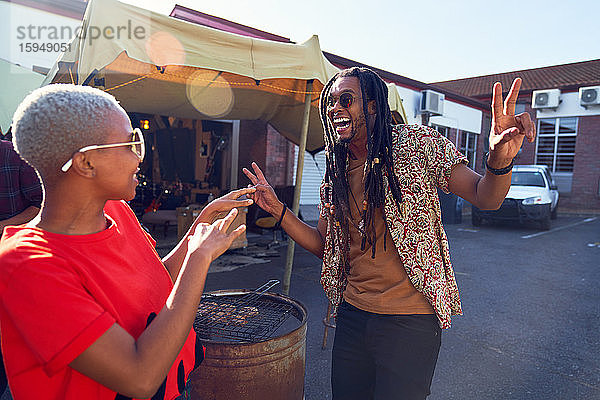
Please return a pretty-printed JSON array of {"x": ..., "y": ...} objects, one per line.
[
  {"x": 432, "y": 102},
  {"x": 589, "y": 96},
  {"x": 549, "y": 98}
]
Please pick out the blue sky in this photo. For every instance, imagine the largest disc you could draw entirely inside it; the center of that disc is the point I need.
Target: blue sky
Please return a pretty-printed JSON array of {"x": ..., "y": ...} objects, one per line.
[{"x": 425, "y": 40}]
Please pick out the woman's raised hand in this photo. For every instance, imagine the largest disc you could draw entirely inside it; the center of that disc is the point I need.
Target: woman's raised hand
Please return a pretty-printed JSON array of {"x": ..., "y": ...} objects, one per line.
[
  {"x": 225, "y": 204},
  {"x": 212, "y": 240}
]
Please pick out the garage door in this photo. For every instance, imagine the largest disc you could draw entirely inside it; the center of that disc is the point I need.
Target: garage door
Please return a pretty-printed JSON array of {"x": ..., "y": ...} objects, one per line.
[{"x": 314, "y": 170}]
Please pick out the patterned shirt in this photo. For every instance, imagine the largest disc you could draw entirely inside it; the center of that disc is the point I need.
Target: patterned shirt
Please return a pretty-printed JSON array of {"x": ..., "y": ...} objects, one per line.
[
  {"x": 423, "y": 162},
  {"x": 20, "y": 187}
]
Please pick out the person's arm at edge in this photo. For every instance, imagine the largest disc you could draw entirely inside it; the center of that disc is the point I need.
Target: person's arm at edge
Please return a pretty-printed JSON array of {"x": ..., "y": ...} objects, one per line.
[{"x": 23, "y": 217}]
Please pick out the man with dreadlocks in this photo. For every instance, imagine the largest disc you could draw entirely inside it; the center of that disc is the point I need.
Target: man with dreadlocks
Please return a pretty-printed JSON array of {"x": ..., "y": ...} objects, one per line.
[{"x": 386, "y": 262}]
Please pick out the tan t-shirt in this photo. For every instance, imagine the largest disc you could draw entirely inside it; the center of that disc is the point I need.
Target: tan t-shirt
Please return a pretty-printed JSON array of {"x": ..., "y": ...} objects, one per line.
[{"x": 378, "y": 285}]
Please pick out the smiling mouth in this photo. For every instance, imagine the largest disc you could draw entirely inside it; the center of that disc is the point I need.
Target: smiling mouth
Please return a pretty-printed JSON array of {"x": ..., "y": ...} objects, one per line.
[{"x": 341, "y": 123}]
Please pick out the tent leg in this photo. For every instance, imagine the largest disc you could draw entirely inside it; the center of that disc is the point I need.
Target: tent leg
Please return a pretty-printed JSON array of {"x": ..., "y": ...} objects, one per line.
[
  {"x": 296, "y": 205},
  {"x": 235, "y": 153}
]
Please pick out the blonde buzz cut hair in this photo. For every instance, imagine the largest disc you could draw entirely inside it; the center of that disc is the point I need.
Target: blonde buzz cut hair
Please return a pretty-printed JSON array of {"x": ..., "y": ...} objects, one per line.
[{"x": 55, "y": 121}]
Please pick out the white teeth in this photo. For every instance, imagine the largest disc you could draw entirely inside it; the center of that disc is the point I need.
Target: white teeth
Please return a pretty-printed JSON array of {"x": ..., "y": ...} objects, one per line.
[{"x": 341, "y": 120}]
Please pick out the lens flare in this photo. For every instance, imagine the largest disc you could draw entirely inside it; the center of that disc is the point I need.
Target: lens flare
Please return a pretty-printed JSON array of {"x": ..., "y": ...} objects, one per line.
[
  {"x": 210, "y": 93},
  {"x": 165, "y": 49}
]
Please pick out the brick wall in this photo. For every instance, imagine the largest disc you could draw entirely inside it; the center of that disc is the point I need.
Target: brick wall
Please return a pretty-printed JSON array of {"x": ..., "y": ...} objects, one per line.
[
  {"x": 253, "y": 147},
  {"x": 527, "y": 154},
  {"x": 483, "y": 142},
  {"x": 586, "y": 171},
  {"x": 274, "y": 154},
  {"x": 279, "y": 163}
]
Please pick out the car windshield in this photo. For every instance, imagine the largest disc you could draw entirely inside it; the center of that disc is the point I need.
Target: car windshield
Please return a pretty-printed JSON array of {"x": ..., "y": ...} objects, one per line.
[{"x": 522, "y": 178}]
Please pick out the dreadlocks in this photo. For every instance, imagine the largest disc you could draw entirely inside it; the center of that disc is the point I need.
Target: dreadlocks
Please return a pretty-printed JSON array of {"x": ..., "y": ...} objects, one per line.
[{"x": 379, "y": 159}]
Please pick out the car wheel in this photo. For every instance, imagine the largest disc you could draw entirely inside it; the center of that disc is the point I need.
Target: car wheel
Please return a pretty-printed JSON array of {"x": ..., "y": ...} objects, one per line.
[
  {"x": 554, "y": 213},
  {"x": 475, "y": 219}
]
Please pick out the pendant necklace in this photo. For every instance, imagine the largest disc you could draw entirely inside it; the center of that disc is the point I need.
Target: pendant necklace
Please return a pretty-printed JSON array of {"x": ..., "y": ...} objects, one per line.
[{"x": 361, "y": 225}]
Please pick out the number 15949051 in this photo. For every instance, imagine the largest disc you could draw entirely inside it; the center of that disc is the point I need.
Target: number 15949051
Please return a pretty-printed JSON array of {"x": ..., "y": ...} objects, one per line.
[{"x": 34, "y": 47}]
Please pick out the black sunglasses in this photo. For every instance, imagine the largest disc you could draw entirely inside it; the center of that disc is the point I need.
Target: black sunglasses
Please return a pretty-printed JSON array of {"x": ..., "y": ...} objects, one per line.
[{"x": 346, "y": 100}]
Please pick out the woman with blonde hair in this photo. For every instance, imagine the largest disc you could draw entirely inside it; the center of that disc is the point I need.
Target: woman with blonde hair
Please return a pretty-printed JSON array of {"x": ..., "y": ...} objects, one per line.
[{"x": 88, "y": 309}]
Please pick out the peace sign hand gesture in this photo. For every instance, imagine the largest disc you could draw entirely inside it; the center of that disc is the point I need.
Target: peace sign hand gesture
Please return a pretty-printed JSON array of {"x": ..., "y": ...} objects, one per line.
[
  {"x": 508, "y": 130},
  {"x": 264, "y": 196}
]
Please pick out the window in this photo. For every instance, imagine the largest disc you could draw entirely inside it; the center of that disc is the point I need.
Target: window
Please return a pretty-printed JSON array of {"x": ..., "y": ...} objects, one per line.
[
  {"x": 556, "y": 143},
  {"x": 443, "y": 130},
  {"x": 467, "y": 144},
  {"x": 527, "y": 179}
]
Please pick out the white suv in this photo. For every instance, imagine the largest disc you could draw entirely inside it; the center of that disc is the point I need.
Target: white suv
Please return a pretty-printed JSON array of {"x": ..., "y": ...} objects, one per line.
[{"x": 533, "y": 196}]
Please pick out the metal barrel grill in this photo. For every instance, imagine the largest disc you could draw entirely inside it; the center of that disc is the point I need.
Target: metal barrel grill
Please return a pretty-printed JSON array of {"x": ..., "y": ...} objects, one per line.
[{"x": 255, "y": 345}]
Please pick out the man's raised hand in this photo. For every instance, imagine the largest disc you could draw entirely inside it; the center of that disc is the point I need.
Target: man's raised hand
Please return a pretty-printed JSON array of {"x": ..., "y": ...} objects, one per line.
[
  {"x": 508, "y": 130},
  {"x": 264, "y": 196}
]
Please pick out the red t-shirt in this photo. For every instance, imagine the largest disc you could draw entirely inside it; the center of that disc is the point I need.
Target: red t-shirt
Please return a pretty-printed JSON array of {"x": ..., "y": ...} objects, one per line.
[{"x": 59, "y": 293}]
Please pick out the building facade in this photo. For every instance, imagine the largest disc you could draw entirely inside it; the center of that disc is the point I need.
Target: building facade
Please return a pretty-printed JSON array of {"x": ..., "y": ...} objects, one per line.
[
  {"x": 564, "y": 101},
  {"x": 568, "y": 139},
  {"x": 463, "y": 120}
]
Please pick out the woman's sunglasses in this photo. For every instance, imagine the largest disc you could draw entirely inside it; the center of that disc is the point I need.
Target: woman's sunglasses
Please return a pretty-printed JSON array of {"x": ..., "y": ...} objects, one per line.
[
  {"x": 137, "y": 146},
  {"x": 346, "y": 100}
]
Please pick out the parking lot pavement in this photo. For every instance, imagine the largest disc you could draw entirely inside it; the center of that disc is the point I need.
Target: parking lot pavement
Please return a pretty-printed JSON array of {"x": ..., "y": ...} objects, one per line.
[
  {"x": 531, "y": 312},
  {"x": 531, "y": 308},
  {"x": 530, "y": 229}
]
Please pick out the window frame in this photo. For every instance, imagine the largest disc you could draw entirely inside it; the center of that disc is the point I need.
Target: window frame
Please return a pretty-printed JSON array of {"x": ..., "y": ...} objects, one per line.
[
  {"x": 556, "y": 136},
  {"x": 446, "y": 129},
  {"x": 465, "y": 150}
]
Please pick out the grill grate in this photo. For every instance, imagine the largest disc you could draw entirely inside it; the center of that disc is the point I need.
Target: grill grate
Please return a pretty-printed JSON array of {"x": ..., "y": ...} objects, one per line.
[{"x": 241, "y": 317}]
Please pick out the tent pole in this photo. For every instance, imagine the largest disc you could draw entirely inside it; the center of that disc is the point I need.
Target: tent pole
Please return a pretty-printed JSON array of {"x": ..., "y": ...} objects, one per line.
[
  {"x": 296, "y": 205},
  {"x": 235, "y": 154}
]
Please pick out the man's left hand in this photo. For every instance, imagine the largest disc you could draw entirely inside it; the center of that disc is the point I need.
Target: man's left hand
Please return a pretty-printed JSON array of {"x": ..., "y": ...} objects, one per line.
[{"x": 508, "y": 130}]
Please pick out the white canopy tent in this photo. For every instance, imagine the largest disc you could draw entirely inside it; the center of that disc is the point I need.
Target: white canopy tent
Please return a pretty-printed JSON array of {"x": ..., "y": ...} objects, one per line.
[
  {"x": 156, "y": 64},
  {"x": 16, "y": 82}
]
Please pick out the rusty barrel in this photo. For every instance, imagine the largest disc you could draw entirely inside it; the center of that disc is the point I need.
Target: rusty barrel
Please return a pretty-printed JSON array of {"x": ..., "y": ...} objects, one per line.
[{"x": 270, "y": 369}]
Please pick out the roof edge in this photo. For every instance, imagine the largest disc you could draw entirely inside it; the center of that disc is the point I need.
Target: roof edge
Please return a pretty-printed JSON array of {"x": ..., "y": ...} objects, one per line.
[
  {"x": 71, "y": 9},
  {"x": 402, "y": 80},
  {"x": 180, "y": 12},
  {"x": 518, "y": 71}
]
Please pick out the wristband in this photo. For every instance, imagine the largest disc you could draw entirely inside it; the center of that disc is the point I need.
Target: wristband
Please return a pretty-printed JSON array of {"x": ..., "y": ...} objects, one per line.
[
  {"x": 278, "y": 224},
  {"x": 501, "y": 171}
]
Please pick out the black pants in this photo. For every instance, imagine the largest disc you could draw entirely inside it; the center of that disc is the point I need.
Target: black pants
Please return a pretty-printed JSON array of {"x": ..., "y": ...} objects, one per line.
[
  {"x": 383, "y": 357},
  {"x": 3, "y": 379}
]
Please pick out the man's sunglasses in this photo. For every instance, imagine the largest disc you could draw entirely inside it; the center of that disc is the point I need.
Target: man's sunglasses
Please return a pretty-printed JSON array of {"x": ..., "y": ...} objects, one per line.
[
  {"x": 136, "y": 143},
  {"x": 346, "y": 100}
]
